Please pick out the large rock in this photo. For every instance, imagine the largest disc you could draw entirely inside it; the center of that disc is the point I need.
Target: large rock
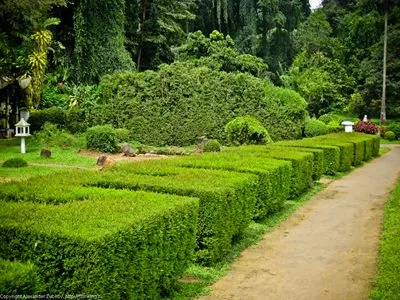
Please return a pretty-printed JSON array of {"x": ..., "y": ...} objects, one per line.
[
  {"x": 105, "y": 161},
  {"x": 127, "y": 150},
  {"x": 201, "y": 141},
  {"x": 45, "y": 153}
]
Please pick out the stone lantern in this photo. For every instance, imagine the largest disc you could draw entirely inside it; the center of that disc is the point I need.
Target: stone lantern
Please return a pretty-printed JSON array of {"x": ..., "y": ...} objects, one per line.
[
  {"x": 22, "y": 130},
  {"x": 348, "y": 126}
]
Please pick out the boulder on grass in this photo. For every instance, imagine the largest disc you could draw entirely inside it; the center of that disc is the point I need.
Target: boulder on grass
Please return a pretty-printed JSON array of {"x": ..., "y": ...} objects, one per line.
[
  {"x": 127, "y": 151},
  {"x": 45, "y": 153},
  {"x": 105, "y": 161}
]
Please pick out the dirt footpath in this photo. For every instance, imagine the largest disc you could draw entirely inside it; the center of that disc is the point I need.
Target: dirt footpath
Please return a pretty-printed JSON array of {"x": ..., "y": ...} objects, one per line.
[{"x": 326, "y": 250}]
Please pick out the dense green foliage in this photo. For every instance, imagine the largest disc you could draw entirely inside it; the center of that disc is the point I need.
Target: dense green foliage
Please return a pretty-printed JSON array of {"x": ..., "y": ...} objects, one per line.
[
  {"x": 18, "y": 278},
  {"x": 315, "y": 127},
  {"x": 102, "y": 138},
  {"x": 14, "y": 163},
  {"x": 99, "y": 39},
  {"x": 246, "y": 130},
  {"x": 218, "y": 52},
  {"x": 181, "y": 102},
  {"x": 212, "y": 146},
  {"x": 387, "y": 281},
  {"x": 53, "y": 115}
]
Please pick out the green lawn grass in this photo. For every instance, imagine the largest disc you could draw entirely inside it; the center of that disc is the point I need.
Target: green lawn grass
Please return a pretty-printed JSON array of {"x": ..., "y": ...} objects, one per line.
[
  {"x": 387, "y": 281},
  {"x": 64, "y": 156},
  {"x": 20, "y": 174}
]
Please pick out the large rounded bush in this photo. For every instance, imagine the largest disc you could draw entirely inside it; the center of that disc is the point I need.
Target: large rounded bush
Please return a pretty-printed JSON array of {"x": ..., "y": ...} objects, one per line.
[
  {"x": 102, "y": 138},
  {"x": 390, "y": 136},
  {"x": 14, "y": 163},
  {"x": 247, "y": 130},
  {"x": 212, "y": 146},
  {"x": 315, "y": 127},
  {"x": 395, "y": 127},
  {"x": 181, "y": 102}
]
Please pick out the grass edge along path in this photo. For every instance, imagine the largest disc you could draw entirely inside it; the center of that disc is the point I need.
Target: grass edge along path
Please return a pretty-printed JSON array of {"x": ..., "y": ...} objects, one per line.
[
  {"x": 197, "y": 279},
  {"x": 387, "y": 282}
]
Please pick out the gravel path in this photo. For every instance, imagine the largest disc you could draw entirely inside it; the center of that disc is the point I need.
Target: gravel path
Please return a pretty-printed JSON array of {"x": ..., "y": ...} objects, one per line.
[{"x": 326, "y": 250}]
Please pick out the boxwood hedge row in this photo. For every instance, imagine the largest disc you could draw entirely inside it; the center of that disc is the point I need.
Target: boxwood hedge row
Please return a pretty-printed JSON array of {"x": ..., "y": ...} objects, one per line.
[
  {"x": 77, "y": 232},
  {"x": 331, "y": 153},
  {"x": 118, "y": 245},
  {"x": 274, "y": 176},
  {"x": 227, "y": 199},
  {"x": 302, "y": 164},
  {"x": 318, "y": 162}
]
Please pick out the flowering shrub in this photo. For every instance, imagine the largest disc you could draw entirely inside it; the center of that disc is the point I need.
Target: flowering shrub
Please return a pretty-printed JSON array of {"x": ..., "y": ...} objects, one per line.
[{"x": 366, "y": 127}]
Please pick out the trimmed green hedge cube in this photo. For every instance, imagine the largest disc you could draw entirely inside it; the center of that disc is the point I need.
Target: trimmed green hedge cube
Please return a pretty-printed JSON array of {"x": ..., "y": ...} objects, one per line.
[
  {"x": 331, "y": 153},
  {"x": 318, "y": 162},
  {"x": 346, "y": 150},
  {"x": 274, "y": 176},
  {"x": 302, "y": 164},
  {"x": 118, "y": 244}
]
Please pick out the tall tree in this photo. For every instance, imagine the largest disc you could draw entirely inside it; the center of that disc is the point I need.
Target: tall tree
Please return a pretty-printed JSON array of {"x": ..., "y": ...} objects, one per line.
[
  {"x": 100, "y": 39},
  {"x": 383, "y": 104},
  {"x": 162, "y": 24}
]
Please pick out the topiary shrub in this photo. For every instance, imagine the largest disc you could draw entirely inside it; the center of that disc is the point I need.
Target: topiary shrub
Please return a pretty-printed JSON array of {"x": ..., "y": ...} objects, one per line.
[
  {"x": 54, "y": 115},
  {"x": 395, "y": 127},
  {"x": 14, "y": 163},
  {"x": 212, "y": 146},
  {"x": 390, "y": 136},
  {"x": 366, "y": 127},
  {"x": 246, "y": 130},
  {"x": 123, "y": 135},
  {"x": 102, "y": 138},
  {"x": 315, "y": 127}
]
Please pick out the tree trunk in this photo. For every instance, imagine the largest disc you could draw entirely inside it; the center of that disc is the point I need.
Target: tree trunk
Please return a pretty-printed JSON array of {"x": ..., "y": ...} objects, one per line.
[
  {"x": 145, "y": 4},
  {"x": 383, "y": 105}
]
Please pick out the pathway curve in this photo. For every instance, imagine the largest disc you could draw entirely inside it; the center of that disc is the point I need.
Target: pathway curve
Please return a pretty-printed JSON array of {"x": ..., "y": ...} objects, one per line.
[{"x": 326, "y": 250}]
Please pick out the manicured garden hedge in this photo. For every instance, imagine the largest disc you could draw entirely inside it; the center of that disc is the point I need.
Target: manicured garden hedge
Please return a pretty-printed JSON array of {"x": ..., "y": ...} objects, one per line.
[
  {"x": 227, "y": 199},
  {"x": 331, "y": 153},
  {"x": 18, "y": 278},
  {"x": 274, "y": 176},
  {"x": 318, "y": 162},
  {"x": 75, "y": 234},
  {"x": 302, "y": 164},
  {"x": 119, "y": 244}
]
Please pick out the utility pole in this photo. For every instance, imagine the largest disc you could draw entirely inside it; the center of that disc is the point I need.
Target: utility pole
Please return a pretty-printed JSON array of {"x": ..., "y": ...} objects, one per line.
[{"x": 383, "y": 105}]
